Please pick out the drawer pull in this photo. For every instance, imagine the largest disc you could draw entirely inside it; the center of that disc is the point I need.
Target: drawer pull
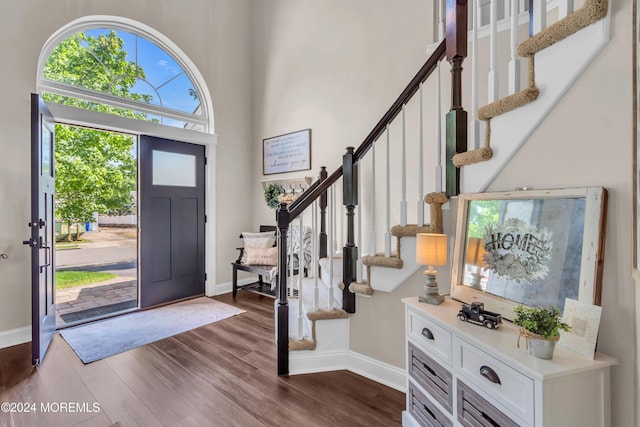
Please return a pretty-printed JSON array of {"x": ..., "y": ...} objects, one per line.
[
  {"x": 429, "y": 412},
  {"x": 490, "y": 420},
  {"x": 490, "y": 374},
  {"x": 426, "y": 332},
  {"x": 428, "y": 368}
]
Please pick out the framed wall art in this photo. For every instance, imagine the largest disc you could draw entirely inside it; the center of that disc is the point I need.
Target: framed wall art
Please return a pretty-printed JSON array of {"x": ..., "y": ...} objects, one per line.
[{"x": 287, "y": 153}]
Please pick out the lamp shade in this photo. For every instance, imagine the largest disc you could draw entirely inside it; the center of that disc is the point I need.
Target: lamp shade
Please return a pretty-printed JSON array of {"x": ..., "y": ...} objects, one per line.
[
  {"x": 475, "y": 251},
  {"x": 431, "y": 249}
]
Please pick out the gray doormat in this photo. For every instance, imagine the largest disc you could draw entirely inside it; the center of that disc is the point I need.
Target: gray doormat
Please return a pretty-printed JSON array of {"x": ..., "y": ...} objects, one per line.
[
  {"x": 76, "y": 316},
  {"x": 104, "y": 338}
]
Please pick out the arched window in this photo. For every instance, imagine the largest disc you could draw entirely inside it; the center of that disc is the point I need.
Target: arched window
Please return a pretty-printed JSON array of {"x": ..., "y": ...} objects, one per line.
[{"x": 120, "y": 69}]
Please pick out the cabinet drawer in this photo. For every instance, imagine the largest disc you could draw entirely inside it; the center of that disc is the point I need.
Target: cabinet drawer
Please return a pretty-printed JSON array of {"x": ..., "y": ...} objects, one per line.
[
  {"x": 424, "y": 411},
  {"x": 506, "y": 385},
  {"x": 474, "y": 411},
  {"x": 431, "y": 376},
  {"x": 431, "y": 336}
]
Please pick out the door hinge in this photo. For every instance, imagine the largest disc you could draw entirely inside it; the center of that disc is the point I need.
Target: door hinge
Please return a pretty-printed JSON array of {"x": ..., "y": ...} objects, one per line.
[
  {"x": 205, "y": 277},
  {"x": 205, "y": 219},
  {"x": 205, "y": 160}
]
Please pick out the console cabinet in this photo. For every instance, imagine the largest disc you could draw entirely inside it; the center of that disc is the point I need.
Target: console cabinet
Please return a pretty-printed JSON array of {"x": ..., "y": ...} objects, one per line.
[{"x": 462, "y": 374}]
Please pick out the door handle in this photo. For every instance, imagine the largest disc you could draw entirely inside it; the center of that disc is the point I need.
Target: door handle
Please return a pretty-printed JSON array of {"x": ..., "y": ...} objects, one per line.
[
  {"x": 32, "y": 243},
  {"x": 47, "y": 256}
]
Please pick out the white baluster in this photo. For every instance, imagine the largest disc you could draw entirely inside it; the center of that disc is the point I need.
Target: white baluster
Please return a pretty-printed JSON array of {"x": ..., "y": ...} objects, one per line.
[
  {"x": 441, "y": 19},
  {"x": 331, "y": 251},
  {"x": 539, "y": 15},
  {"x": 403, "y": 201},
  {"x": 474, "y": 123},
  {"x": 359, "y": 211},
  {"x": 334, "y": 248},
  {"x": 506, "y": 5},
  {"x": 372, "y": 234},
  {"x": 421, "y": 165},
  {"x": 300, "y": 274},
  {"x": 314, "y": 256},
  {"x": 290, "y": 260},
  {"x": 438, "y": 129},
  {"x": 387, "y": 236},
  {"x": 493, "y": 52},
  {"x": 565, "y": 8},
  {"x": 514, "y": 63}
]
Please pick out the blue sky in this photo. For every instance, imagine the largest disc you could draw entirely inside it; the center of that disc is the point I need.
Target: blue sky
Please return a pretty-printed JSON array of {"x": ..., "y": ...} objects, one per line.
[{"x": 162, "y": 73}]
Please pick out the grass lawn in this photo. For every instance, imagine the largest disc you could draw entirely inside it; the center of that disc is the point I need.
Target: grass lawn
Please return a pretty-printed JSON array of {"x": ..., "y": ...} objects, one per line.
[{"x": 70, "y": 279}]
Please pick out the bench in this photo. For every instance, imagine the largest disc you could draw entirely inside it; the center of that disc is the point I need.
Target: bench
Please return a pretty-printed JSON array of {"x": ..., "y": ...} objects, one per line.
[{"x": 261, "y": 286}]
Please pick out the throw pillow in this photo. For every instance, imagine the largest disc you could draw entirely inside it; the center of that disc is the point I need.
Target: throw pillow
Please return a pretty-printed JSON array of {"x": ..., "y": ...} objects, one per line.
[
  {"x": 261, "y": 256},
  {"x": 257, "y": 240}
]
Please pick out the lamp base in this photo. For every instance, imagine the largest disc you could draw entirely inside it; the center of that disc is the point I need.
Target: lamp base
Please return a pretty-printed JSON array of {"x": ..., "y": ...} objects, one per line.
[
  {"x": 432, "y": 299},
  {"x": 431, "y": 295}
]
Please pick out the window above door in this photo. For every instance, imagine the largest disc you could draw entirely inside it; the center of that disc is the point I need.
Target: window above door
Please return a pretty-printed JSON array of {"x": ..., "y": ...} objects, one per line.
[{"x": 121, "y": 72}]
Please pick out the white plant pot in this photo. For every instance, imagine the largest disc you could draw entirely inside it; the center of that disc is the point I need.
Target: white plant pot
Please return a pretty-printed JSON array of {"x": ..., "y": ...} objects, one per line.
[{"x": 542, "y": 349}]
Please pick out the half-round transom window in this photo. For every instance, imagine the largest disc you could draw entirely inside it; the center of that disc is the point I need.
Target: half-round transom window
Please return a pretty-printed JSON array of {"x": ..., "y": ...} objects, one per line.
[{"x": 118, "y": 72}]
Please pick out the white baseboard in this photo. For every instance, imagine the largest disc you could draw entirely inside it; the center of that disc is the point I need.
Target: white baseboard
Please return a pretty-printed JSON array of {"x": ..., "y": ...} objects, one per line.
[
  {"x": 306, "y": 362},
  {"x": 226, "y": 287},
  {"x": 378, "y": 371},
  {"x": 16, "y": 336}
]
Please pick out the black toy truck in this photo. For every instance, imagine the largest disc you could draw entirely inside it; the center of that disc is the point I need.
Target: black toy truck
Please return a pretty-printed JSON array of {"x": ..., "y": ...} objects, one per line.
[{"x": 476, "y": 313}]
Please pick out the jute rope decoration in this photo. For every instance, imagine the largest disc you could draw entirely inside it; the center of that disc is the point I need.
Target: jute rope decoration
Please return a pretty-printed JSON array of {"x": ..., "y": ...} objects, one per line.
[
  {"x": 590, "y": 12},
  {"x": 530, "y": 335}
]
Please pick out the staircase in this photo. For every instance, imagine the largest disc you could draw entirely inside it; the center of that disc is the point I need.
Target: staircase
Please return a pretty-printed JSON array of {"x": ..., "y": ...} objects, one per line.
[{"x": 313, "y": 330}]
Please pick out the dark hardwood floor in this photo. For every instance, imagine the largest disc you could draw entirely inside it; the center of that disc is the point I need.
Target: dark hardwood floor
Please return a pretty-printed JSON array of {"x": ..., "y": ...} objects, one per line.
[{"x": 222, "y": 374}]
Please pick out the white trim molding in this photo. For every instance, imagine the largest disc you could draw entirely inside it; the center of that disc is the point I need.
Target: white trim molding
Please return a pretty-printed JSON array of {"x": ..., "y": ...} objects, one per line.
[
  {"x": 306, "y": 362},
  {"x": 16, "y": 336}
]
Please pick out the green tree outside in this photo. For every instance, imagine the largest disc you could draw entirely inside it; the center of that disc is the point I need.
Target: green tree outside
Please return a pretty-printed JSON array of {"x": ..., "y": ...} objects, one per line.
[{"x": 95, "y": 170}]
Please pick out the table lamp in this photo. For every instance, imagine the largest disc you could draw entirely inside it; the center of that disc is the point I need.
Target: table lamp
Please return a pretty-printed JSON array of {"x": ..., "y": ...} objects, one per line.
[
  {"x": 431, "y": 249},
  {"x": 474, "y": 256}
]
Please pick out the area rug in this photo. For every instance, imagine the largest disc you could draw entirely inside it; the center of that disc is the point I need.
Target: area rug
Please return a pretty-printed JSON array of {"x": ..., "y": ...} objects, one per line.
[{"x": 105, "y": 338}]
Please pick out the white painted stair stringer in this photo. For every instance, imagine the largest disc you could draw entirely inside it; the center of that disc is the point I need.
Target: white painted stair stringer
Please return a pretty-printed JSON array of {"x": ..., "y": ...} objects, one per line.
[{"x": 557, "y": 68}]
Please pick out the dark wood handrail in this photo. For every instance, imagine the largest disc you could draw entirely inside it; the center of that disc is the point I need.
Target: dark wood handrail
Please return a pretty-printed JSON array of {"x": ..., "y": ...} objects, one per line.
[
  {"x": 404, "y": 97},
  {"x": 320, "y": 186}
]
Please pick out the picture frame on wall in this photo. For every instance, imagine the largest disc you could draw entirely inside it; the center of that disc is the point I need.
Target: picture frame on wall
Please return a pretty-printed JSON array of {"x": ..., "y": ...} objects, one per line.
[{"x": 289, "y": 152}]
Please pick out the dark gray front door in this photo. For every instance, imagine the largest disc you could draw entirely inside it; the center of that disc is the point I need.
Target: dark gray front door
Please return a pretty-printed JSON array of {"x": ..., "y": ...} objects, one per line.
[
  {"x": 42, "y": 225},
  {"x": 172, "y": 220}
]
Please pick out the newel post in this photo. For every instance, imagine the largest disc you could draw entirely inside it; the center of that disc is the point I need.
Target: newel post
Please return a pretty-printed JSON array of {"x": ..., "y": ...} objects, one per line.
[
  {"x": 323, "y": 215},
  {"x": 282, "y": 305},
  {"x": 350, "y": 250},
  {"x": 456, "y": 119}
]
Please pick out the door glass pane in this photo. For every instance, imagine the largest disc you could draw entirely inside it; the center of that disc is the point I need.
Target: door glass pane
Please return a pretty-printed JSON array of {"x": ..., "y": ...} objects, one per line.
[
  {"x": 47, "y": 158},
  {"x": 173, "y": 169}
]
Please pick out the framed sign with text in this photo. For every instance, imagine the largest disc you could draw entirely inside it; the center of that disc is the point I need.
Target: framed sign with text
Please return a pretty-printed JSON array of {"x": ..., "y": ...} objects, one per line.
[{"x": 287, "y": 153}]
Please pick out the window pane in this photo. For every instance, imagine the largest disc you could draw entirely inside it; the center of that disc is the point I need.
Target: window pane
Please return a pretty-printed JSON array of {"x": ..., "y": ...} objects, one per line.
[{"x": 173, "y": 169}]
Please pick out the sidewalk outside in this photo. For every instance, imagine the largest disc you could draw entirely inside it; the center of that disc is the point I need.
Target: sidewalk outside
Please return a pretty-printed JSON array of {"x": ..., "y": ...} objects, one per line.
[{"x": 111, "y": 250}]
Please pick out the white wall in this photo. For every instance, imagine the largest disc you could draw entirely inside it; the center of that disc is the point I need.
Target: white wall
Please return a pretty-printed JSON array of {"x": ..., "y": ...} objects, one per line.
[
  {"x": 333, "y": 66},
  {"x": 215, "y": 35}
]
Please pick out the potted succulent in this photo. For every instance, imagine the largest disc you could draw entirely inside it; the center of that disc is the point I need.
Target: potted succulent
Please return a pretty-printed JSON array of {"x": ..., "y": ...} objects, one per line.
[{"x": 541, "y": 328}]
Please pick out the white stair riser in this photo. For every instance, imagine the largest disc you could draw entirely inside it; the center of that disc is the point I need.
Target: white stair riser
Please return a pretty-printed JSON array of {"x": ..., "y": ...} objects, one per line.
[{"x": 389, "y": 279}]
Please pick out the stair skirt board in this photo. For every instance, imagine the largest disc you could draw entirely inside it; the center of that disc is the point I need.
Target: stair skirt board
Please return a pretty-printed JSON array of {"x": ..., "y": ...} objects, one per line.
[
  {"x": 323, "y": 361},
  {"x": 557, "y": 69}
]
